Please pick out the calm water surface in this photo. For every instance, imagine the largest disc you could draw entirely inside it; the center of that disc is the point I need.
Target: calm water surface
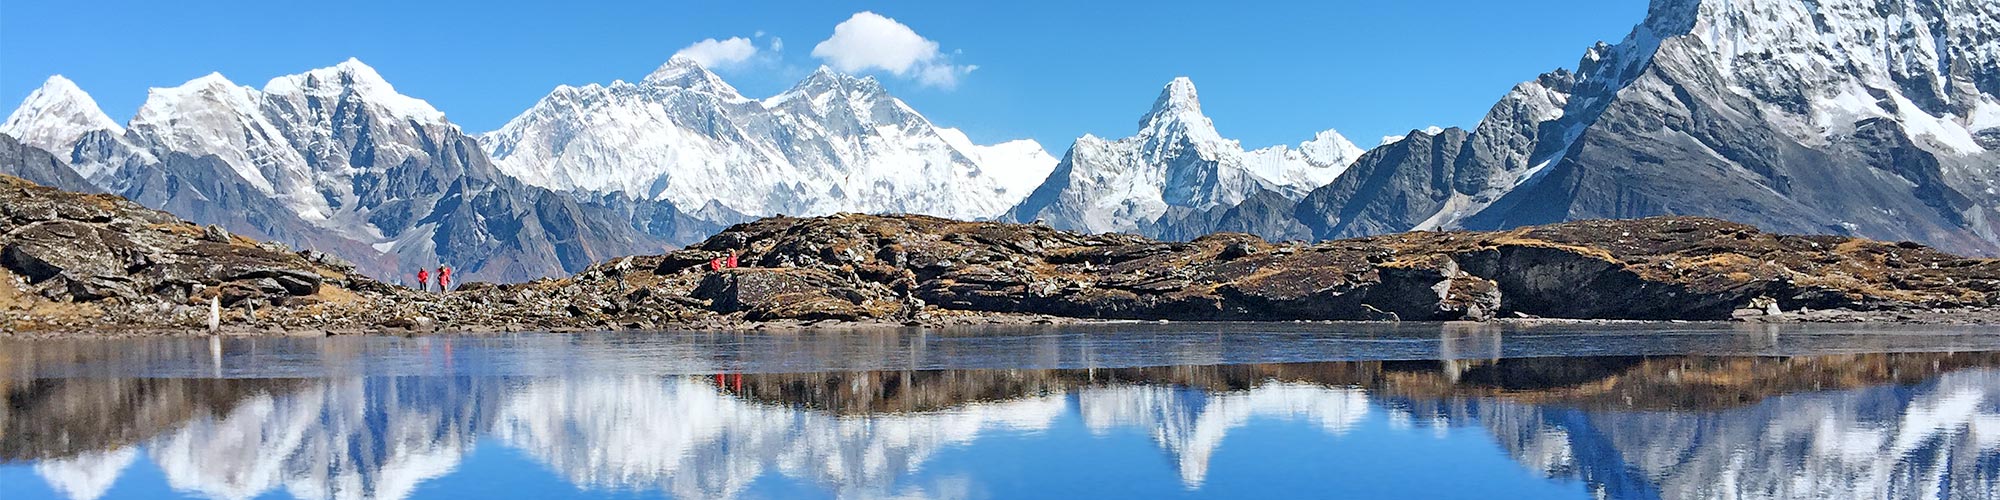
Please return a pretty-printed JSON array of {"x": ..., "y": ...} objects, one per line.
[{"x": 1132, "y": 411}]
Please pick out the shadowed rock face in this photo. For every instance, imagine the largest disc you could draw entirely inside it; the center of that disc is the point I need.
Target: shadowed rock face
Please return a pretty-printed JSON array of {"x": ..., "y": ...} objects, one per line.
[{"x": 38, "y": 166}]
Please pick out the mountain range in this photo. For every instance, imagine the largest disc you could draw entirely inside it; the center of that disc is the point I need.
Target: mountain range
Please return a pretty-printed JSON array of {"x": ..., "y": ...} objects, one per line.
[
  {"x": 1873, "y": 118},
  {"x": 831, "y": 143},
  {"x": 1178, "y": 178},
  {"x": 332, "y": 159}
]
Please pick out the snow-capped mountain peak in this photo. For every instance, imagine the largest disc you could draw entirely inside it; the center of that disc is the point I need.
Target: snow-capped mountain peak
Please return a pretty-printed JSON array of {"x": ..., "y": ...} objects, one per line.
[
  {"x": 818, "y": 87},
  {"x": 1177, "y": 112},
  {"x": 823, "y": 80},
  {"x": 210, "y": 92},
  {"x": 1178, "y": 96},
  {"x": 684, "y": 72},
  {"x": 55, "y": 115},
  {"x": 361, "y": 81},
  {"x": 212, "y": 115},
  {"x": 1328, "y": 146},
  {"x": 1177, "y": 176},
  {"x": 831, "y": 143}
]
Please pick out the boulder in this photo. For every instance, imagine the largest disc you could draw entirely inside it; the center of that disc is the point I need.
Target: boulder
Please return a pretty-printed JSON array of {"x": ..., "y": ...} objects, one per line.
[
  {"x": 215, "y": 234},
  {"x": 21, "y": 261},
  {"x": 291, "y": 281}
]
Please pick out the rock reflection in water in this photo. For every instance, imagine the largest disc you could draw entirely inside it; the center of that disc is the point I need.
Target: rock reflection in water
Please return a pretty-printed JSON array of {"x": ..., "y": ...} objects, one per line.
[{"x": 1865, "y": 425}]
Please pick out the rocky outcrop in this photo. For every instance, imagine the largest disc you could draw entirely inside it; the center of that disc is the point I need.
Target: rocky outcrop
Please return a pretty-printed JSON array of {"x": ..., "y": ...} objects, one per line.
[
  {"x": 76, "y": 261},
  {"x": 915, "y": 268},
  {"x": 144, "y": 269}
]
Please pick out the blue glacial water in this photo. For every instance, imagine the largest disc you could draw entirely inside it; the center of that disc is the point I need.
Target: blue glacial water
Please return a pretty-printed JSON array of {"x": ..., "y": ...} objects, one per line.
[{"x": 1101, "y": 411}]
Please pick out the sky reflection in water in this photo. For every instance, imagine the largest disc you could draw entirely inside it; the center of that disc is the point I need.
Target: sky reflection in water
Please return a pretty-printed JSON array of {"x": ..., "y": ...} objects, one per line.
[{"x": 1412, "y": 411}]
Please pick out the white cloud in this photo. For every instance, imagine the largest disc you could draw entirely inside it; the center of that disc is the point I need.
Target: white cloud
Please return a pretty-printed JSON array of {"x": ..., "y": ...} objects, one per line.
[
  {"x": 868, "y": 41},
  {"x": 712, "y": 53},
  {"x": 777, "y": 44}
]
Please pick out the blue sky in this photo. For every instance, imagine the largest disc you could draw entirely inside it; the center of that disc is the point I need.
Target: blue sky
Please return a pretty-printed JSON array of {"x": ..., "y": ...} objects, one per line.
[{"x": 1272, "y": 73}]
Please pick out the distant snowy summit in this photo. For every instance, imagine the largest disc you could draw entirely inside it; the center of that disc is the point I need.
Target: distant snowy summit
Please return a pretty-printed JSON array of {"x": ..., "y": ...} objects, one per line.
[
  {"x": 831, "y": 143},
  {"x": 1178, "y": 177}
]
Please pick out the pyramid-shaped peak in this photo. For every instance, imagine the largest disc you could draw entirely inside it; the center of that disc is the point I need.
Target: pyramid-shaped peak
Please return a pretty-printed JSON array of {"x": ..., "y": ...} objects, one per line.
[
  {"x": 825, "y": 80},
  {"x": 59, "y": 85},
  {"x": 676, "y": 67},
  {"x": 56, "y": 114},
  {"x": 1178, "y": 102},
  {"x": 1180, "y": 90},
  {"x": 212, "y": 80},
  {"x": 60, "y": 91},
  {"x": 1179, "y": 95},
  {"x": 685, "y": 72},
  {"x": 1178, "y": 108}
]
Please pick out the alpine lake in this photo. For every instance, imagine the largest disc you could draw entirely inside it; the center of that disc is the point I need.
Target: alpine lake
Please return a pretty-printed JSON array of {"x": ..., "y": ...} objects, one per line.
[{"x": 1130, "y": 410}]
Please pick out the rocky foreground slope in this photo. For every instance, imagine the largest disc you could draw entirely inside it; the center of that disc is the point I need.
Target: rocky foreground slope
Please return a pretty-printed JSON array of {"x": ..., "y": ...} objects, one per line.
[{"x": 76, "y": 262}]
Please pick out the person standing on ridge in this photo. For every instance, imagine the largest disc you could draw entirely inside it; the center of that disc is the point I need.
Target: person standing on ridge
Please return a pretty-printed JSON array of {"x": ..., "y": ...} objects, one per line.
[
  {"x": 444, "y": 278},
  {"x": 424, "y": 279}
]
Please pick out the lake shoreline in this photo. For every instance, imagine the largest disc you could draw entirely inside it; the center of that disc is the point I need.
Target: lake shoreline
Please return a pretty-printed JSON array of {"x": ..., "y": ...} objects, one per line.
[
  {"x": 959, "y": 323},
  {"x": 83, "y": 265}
]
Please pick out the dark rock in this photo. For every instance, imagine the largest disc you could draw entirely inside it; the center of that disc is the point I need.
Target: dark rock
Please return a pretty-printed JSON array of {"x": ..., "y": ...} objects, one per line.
[
  {"x": 95, "y": 288},
  {"x": 17, "y": 259},
  {"x": 290, "y": 281}
]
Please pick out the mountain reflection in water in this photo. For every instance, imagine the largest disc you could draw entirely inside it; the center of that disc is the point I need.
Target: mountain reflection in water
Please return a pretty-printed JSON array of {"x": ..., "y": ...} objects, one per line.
[{"x": 1904, "y": 425}]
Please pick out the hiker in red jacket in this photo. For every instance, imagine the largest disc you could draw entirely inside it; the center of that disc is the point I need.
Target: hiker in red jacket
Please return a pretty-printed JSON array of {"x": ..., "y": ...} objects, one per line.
[
  {"x": 424, "y": 279},
  {"x": 444, "y": 278}
]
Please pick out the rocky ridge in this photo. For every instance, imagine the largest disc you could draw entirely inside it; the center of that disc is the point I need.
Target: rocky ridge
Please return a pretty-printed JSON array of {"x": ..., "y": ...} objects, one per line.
[
  {"x": 84, "y": 261},
  {"x": 79, "y": 262}
]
